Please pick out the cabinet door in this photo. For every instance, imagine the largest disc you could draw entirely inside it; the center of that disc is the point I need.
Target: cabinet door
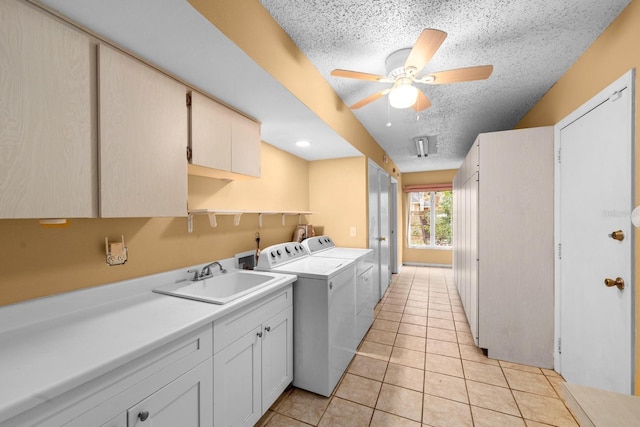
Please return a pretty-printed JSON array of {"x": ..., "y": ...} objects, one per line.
[
  {"x": 246, "y": 145},
  {"x": 277, "y": 356},
  {"x": 236, "y": 389},
  {"x": 185, "y": 402},
  {"x": 48, "y": 166},
  {"x": 210, "y": 133},
  {"x": 142, "y": 139}
]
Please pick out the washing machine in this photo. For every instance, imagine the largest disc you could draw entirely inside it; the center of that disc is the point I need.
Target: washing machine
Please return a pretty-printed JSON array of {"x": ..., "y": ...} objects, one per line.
[
  {"x": 323, "y": 246},
  {"x": 324, "y": 321}
]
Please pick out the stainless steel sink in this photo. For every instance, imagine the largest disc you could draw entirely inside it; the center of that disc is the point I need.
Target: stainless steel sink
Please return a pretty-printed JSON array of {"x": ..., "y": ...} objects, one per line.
[{"x": 219, "y": 289}]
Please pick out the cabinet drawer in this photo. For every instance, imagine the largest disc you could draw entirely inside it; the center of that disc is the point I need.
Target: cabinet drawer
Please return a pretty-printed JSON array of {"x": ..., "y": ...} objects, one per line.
[
  {"x": 175, "y": 358},
  {"x": 228, "y": 328}
]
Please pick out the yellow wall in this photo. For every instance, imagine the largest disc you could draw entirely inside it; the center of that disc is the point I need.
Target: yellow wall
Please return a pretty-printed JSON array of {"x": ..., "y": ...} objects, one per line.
[
  {"x": 424, "y": 256},
  {"x": 37, "y": 261},
  {"x": 614, "y": 53},
  {"x": 338, "y": 193}
]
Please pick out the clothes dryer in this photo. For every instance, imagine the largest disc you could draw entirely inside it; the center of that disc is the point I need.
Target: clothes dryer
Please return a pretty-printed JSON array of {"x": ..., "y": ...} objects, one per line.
[
  {"x": 323, "y": 246},
  {"x": 324, "y": 320}
]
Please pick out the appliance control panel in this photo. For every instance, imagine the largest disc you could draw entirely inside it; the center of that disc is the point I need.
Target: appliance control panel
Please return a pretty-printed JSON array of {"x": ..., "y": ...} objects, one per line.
[
  {"x": 318, "y": 243},
  {"x": 281, "y": 253}
]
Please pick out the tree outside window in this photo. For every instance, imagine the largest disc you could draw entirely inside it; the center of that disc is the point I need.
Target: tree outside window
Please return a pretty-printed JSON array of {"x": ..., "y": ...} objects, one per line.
[{"x": 426, "y": 209}]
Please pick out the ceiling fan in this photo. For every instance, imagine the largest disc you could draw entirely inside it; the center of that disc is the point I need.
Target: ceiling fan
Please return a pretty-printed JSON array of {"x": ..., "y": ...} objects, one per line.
[{"x": 403, "y": 93}]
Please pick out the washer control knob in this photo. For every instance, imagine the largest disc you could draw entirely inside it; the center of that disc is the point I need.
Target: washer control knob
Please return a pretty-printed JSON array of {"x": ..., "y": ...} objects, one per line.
[
  {"x": 273, "y": 255},
  {"x": 279, "y": 252},
  {"x": 286, "y": 248}
]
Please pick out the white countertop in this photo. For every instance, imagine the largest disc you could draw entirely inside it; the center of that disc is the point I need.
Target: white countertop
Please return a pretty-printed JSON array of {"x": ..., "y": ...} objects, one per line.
[{"x": 51, "y": 345}]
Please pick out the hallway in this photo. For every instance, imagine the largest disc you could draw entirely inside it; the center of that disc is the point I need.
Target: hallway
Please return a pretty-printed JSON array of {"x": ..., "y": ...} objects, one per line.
[{"x": 418, "y": 366}]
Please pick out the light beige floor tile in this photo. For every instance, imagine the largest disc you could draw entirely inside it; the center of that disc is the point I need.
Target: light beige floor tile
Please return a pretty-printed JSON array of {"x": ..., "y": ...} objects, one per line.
[
  {"x": 358, "y": 389},
  {"x": 484, "y": 373},
  {"x": 424, "y": 298},
  {"x": 342, "y": 413},
  {"x": 395, "y": 301},
  {"x": 433, "y": 299},
  {"x": 375, "y": 350},
  {"x": 520, "y": 367},
  {"x": 492, "y": 397},
  {"x": 266, "y": 417},
  {"x": 435, "y": 322},
  {"x": 380, "y": 336},
  {"x": 367, "y": 367},
  {"x": 395, "y": 308},
  {"x": 414, "y": 319},
  {"x": 462, "y": 326},
  {"x": 385, "y": 325},
  {"x": 389, "y": 315},
  {"x": 400, "y": 401},
  {"x": 443, "y": 365},
  {"x": 486, "y": 418},
  {"x": 465, "y": 338},
  {"x": 304, "y": 406},
  {"x": 406, "y": 357},
  {"x": 411, "y": 342},
  {"x": 460, "y": 317},
  {"x": 277, "y": 420},
  {"x": 439, "y": 412},
  {"x": 418, "y": 311},
  {"x": 550, "y": 372},
  {"x": 442, "y": 334},
  {"x": 440, "y": 307},
  {"x": 415, "y": 330},
  {"x": 526, "y": 381},
  {"x": 556, "y": 383},
  {"x": 473, "y": 353},
  {"x": 446, "y": 386},
  {"x": 439, "y": 314},
  {"x": 530, "y": 423},
  {"x": 445, "y": 348},
  {"x": 384, "y": 419},
  {"x": 405, "y": 376},
  {"x": 420, "y": 304},
  {"x": 544, "y": 409},
  {"x": 457, "y": 309}
]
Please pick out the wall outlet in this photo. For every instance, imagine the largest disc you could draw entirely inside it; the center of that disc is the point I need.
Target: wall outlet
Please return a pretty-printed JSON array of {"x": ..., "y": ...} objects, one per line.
[{"x": 352, "y": 232}]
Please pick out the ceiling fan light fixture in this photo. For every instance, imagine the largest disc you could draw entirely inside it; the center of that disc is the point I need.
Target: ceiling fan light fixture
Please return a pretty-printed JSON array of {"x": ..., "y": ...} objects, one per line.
[{"x": 403, "y": 96}]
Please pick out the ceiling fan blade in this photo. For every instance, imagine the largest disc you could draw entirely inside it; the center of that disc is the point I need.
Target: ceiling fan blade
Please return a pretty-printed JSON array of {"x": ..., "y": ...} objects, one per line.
[
  {"x": 423, "y": 50},
  {"x": 369, "y": 99},
  {"x": 358, "y": 75},
  {"x": 422, "y": 103},
  {"x": 458, "y": 75}
]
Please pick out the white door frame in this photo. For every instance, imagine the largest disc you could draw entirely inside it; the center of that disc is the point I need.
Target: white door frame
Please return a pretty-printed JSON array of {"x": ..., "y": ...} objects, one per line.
[
  {"x": 393, "y": 225},
  {"x": 626, "y": 81}
]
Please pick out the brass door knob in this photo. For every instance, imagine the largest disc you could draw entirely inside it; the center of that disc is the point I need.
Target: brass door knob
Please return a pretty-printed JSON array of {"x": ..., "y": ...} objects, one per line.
[
  {"x": 619, "y": 283},
  {"x": 617, "y": 235}
]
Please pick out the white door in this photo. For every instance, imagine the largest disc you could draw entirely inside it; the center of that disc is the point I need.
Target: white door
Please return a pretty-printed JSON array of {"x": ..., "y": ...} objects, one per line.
[
  {"x": 594, "y": 199},
  {"x": 379, "y": 183},
  {"x": 385, "y": 231},
  {"x": 393, "y": 224}
]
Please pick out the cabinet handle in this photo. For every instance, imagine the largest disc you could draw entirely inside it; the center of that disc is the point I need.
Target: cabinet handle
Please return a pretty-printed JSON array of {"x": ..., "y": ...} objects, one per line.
[
  {"x": 259, "y": 334},
  {"x": 267, "y": 328},
  {"x": 143, "y": 415}
]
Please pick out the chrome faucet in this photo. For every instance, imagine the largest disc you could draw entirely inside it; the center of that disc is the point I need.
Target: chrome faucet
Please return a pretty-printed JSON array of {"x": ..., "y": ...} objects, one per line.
[{"x": 206, "y": 271}]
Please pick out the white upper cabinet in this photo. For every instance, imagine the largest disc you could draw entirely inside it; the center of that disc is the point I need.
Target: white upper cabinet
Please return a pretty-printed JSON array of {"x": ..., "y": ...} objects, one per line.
[
  {"x": 142, "y": 139},
  {"x": 47, "y": 117},
  {"x": 224, "y": 143}
]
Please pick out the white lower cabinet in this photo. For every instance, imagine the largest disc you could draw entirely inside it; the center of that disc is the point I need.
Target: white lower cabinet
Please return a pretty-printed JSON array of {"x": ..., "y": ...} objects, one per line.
[{"x": 254, "y": 363}]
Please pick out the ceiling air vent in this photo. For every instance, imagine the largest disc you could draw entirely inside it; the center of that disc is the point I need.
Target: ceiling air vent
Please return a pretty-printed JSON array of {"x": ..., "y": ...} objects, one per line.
[{"x": 426, "y": 145}]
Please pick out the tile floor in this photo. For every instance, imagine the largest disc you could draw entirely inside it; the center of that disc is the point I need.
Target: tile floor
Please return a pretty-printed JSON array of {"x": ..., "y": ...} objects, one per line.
[{"x": 418, "y": 366}]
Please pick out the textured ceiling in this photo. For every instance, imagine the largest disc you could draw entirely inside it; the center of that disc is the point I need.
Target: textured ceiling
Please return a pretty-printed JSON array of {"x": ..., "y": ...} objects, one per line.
[{"x": 529, "y": 43}]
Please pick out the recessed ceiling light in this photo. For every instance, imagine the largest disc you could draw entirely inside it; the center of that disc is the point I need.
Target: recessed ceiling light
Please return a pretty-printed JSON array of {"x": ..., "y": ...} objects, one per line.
[{"x": 303, "y": 143}]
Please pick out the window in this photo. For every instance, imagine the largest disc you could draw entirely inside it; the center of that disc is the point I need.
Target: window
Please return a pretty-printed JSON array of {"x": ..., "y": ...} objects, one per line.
[{"x": 430, "y": 214}]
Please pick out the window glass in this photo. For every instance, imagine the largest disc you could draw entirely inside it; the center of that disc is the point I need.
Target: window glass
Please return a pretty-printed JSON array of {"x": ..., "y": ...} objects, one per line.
[{"x": 427, "y": 209}]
